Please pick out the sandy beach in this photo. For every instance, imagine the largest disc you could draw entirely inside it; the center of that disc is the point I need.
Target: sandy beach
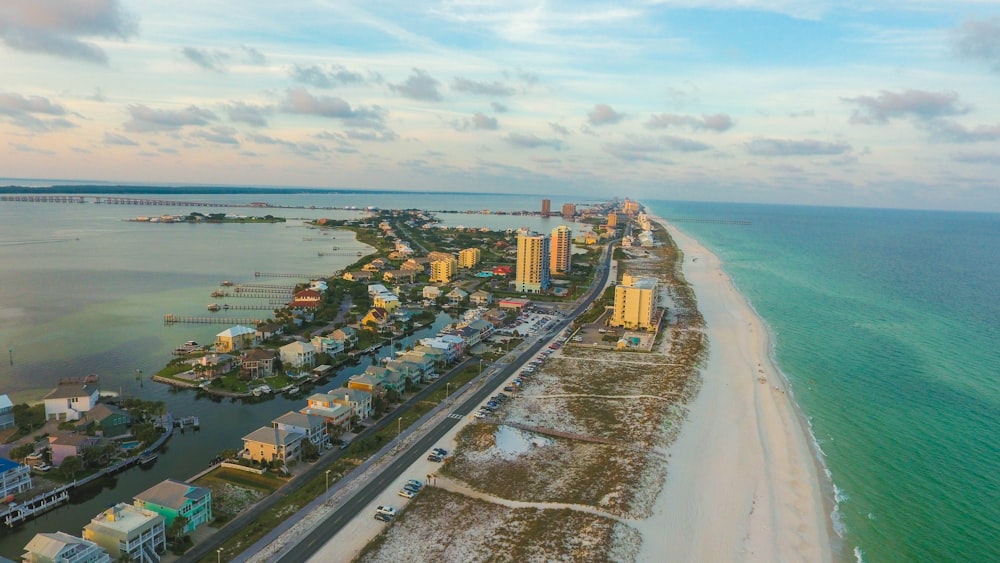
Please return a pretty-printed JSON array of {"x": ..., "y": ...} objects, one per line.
[{"x": 743, "y": 483}]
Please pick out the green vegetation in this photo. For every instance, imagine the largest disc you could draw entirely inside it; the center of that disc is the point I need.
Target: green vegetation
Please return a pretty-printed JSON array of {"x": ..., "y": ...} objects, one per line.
[{"x": 29, "y": 418}]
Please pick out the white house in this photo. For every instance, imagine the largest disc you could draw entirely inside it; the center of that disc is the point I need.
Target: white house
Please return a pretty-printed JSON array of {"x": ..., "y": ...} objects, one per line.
[
  {"x": 327, "y": 345},
  {"x": 360, "y": 401},
  {"x": 311, "y": 426},
  {"x": 71, "y": 399},
  {"x": 14, "y": 477},
  {"x": 6, "y": 412},
  {"x": 298, "y": 354},
  {"x": 431, "y": 292},
  {"x": 59, "y": 546},
  {"x": 128, "y": 532}
]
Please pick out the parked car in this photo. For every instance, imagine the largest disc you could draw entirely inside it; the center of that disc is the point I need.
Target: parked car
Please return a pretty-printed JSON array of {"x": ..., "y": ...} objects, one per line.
[
  {"x": 405, "y": 493},
  {"x": 385, "y": 510},
  {"x": 509, "y": 388},
  {"x": 435, "y": 457},
  {"x": 480, "y": 414},
  {"x": 345, "y": 444},
  {"x": 415, "y": 483},
  {"x": 382, "y": 516},
  {"x": 43, "y": 467},
  {"x": 440, "y": 451}
]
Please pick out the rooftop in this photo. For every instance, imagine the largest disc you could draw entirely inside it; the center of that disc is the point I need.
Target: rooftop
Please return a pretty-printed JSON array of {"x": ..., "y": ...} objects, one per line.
[
  {"x": 273, "y": 436},
  {"x": 123, "y": 517},
  {"x": 171, "y": 494}
]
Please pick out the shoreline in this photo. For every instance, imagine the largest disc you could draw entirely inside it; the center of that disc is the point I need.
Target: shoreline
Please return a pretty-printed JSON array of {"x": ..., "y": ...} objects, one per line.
[{"x": 757, "y": 491}]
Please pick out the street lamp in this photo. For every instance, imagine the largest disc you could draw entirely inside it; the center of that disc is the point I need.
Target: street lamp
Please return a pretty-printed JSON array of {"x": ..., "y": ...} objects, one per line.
[
  {"x": 218, "y": 553},
  {"x": 327, "y": 482}
]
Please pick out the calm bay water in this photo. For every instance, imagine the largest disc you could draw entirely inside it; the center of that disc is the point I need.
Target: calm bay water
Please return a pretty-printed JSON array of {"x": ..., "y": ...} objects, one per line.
[
  {"x": 886, "y": 324},
  {"x": 83, "y": 291}
]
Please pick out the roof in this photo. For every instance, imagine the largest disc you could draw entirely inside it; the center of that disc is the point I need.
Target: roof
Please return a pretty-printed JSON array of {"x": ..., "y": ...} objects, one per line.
[
  {"x": 258, "y": 354},
  {"x": 6, "y": 465},
  {"x": 49, "y": 545},
  {"x": 172, "y": 494},
  {"x": 299, "y": 346},
  {"x": 70, "y": 390},
  {"x": 5, "y": 402},
  {"x": 123, "y": 517},
  {"x": 308, "y": 294},
  {"x": 336, "y": 411},
  {"x": 299, "y": 419},
  {"x": 273, "y": 436},
  {"x": 102, "y": 411},
  {"x": 233, "y": 332}
]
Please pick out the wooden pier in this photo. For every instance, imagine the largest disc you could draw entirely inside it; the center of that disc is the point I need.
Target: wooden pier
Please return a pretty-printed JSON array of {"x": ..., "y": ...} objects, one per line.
[
  {"x": 270, "y": 307},
  {"x": 254, "y": 294},
  {"x": 169, "y": 319},
  {"x": 113, "y": 200},
  {"x": 288, "y": 288},
  {"x": 289, "y": 275}
]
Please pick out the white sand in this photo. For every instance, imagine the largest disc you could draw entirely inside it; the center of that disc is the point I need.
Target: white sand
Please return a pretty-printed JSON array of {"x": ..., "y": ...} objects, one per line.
[{"x": 743, "y": 483}]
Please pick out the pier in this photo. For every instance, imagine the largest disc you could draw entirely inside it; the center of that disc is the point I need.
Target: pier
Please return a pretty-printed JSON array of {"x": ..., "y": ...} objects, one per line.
[
  {"x": 289, "y": 275},
  {"x": 115, "y": 200},
  {"x": 169, "y": 319},
  {"x": 288, "y": 288},
  {"x": 269, "y": 307},
  {"x": 254, "y": 294}
]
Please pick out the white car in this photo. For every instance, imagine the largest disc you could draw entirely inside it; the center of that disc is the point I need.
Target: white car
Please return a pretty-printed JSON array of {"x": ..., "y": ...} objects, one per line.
[
  {"x": 43, "y": 467},
  {"x": 386, "y": 510}
]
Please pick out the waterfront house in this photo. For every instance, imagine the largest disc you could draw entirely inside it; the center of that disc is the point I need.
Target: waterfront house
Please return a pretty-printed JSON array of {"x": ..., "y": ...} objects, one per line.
[
  {"x": 431, "y": 292},
  {"x": 14, "y": 477},
  {"x": 71, "y": 398},
  {"x": 481, "y": 298},
  {"x": 257, "y": 363},
  {"x": 110, "y": 420},
  {"x": 313, "y": 427},
  {"x": 212, "y": 365},
  {"x": 298, "y": 354},
  {"x": 306, "y": 299},
  {"x": 452, "y": 346},
  {"x": 268, "y": 330},
  {"x": 66, "y": 444},
  {"x": 322, "y": 405},
  {"x": 359, "y": 276},
  {"x": 377, "y": 288},
  {"x": 377, "y": 318},
  {"x": 412, "y": 265},
  {"x": 405, "y": 369},
  {"x": 128, "y": 532},
  {"x": 360, "y": 401},
  {"x": 386, "y": 301},
  {"x": 327, "y": 345},
  {"x": 235, "y": 338},
  {"x": 439, "y": 356},
  {"x": 6, "y": 412},
  {"x": 171, "y": 499},
  {"x": 63, "y": 548},
  {"x": 347, "y": 336},
  {"x": 456, "y": 296},
  {"x": 268, "y": 443},
  {"x": 369, "y": 381},
  {"x": 423, "y": 363}
]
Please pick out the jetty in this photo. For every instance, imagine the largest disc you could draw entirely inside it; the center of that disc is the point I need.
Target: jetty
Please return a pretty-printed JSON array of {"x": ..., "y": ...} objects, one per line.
[
  {"x": 291, "y": 275},
  {"x": 169, "y": 319}
]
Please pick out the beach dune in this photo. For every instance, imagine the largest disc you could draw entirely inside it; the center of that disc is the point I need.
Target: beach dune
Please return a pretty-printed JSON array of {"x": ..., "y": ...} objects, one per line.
[{"x": 743, "y": 482}]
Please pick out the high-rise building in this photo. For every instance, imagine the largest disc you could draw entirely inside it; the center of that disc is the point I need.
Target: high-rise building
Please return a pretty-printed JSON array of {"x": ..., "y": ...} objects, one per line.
[
  {"x": 613, "y": 219},
  {"x": 635, "y": 303},
  {"x": 546, "y": 207},
  {"x": 468, "y": 258},
  {"x": 569, "y": 211},
  {"x": 443, "y": 270},
  {"x": 630, "y": 207},
  {"x": 533, "y": 252},
  {"x": 562, "y": 250}
]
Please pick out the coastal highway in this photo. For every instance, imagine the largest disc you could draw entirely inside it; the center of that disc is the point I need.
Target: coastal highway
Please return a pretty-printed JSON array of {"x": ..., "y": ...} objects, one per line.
[{"x": 307, "y": 546}]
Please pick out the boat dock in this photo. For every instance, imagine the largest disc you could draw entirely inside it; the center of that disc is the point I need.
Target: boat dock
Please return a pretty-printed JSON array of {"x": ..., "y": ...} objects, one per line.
[
  {"x": 169, "y": 319},
  {"x": 289, "y": 275},
  {"x": 187, "y": 421}
]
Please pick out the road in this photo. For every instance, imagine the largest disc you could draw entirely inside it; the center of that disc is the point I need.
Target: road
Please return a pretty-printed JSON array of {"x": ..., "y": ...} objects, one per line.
[{"x": 307, "y": 546}]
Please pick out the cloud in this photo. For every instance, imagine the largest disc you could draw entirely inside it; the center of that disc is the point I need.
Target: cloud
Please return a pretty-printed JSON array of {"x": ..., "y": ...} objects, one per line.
[
  {"x": 532, "y": 141},
  {"x": 419, "y": 86},
  {"x": 21, "y": 147},
  {"x": 253, "y": 56},
  {"x": 603, "y": 114},
  {"x": 477, "y": 121},
  {"x": 146, "y": 119},
  {"x": 948, "y": 130},
  {"x": 977, "y": 157},
  {"x": 911, "y": 103},
  {"x": 55, "y": 27},
  {"x": 482, "y": 88},
  {"x": 24, "y": 111},
  {"x": 681, "y": 144},
  {"x": 243, "y": 112},
  {"x": 214, "y": 60},
  {"x": 121, "y": 140},
  {"x": 305, "y": 149},
  {"x": 499, "y": 108},
  {"x": 979, "y": 40},
  {"x": 718, "y": 122},
  {"x": 787, "y": 147},
  {"x": 219, "y": 134},
  {"x": 644, "y": 148},
  {"x": 331, "y": 76},
  {"x": 300, "y": 101},
  {"x": 559, "y": 128}
]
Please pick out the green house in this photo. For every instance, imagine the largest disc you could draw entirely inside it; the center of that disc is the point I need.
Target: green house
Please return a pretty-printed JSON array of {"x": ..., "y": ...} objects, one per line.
[
  {"x": 171, "y": 499},
  {"x": 111, "y": 420}
]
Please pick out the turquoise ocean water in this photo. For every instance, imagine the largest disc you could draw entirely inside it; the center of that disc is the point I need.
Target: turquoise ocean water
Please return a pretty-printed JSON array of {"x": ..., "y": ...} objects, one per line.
[{"x": 886, "y": 323}]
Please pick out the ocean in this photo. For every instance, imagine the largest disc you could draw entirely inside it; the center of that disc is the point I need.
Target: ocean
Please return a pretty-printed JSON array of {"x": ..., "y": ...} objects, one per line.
[{"x": 886, "y": 324}]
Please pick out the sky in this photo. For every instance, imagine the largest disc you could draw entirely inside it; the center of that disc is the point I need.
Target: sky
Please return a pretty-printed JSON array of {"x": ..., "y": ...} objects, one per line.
[{"x": 880, "y": 103}]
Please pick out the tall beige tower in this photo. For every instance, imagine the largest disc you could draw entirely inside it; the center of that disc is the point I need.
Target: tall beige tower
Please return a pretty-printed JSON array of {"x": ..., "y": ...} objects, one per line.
[
  {"x": 546, "y": 207},
  {"x": 635, "y": 303},
  {"x": 532, "y": 275},
  {"x": 562, "y": 250}
]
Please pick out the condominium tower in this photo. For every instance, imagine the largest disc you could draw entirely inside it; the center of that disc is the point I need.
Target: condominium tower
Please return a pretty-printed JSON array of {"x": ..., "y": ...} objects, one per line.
[
  {"x": 635, "y": 303},
  {"x": 533, "y": 256},
  {"x": 562, "y": 250}
]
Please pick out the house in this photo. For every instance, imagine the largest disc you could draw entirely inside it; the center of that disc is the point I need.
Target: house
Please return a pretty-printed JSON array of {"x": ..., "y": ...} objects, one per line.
[
  {"x": 64, "y": 548},
  {"x": 408, "y": 371},
  {"x": 358, "y": 276},
  {"x": 386, "y": 301},
  {"x": 456, "y": 296},
  {"x": 306, "y": 299},
  {"x": 347, "y": 336},
  {"x": 399, "y": 276},
  {"x": 212, "y": 365},
  {"x": 439, "y": 356},
  {"x": 452, "y": 346},
  {"x": 298, "y": 354},
  {"x": 235, "y": 338},
  {"x": 370, "y": 381},
  {"x": 6, "y": 412},
  {"x": 171, "y": 499},
  {"x": 14, "y": 477},
  {"x": 376, "y": 265},
  {"x": 503, "y": 271},
  {"x": 322, "y": 405},
  {"x": 268, "y": 330},
  {"x": 327, "y": 345},
  {"x": 110, "y": 420},
  {"x": 431, "y": 292},
  {"x": 384, "y": 378},
  {"x": 360, "y": 401},
  {"x": 72, "y": 398},
  {"x": 481, "y": 298},
  {"x": 413, "y": 266},
  {"x": 377, "y": 318},
  {"x": 65, "y": 444},
  {"x": 311, "y": 426},
  {"x": 267, "y": 444},
  {"x": 129, "y": 533},
  {"x": 257, "y": 363}
]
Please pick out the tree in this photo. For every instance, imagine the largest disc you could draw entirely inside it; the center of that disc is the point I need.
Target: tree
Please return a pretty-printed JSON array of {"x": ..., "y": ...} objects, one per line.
[
  {"x": 176, "y": 529},
  {"x": 21, "y": 452},
  {"x": 71, "y": 466},
  {"x": 309, "y": 451}
]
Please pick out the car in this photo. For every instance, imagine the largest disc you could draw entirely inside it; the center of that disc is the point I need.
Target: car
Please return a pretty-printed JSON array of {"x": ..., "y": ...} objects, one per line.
[
  {"x": 440, "y": 451},
  {"x": 435, "y": 457},
  {"x": 411, "y": 487},
  {"x": 415, "y": 483},
  {"x": 43, "y": 467},
  {"x": 405, "y": 493},
  {"x": 509, "y": 388},
  {"x": 35, "y": 456},
  {"x": 385, "y": 510},
  {"x": 345, "y": 444},
  {"x": 480, "y": 414},
  {"x": 382, "y": 516},
  {"x": 493, "y": 404}
]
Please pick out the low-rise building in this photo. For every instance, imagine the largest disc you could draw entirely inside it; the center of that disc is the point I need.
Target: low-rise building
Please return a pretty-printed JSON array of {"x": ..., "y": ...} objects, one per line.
[
  {"x": 327, "y": 345},
  {"x": 376, "y": 318},
  {"x": 71, "y": 398},
  {"x": 235, "y": 338},
  {"x": 14, "y": 477},
  {"x": 456, "y": 296},
  {"x": 128, "y": 532},
  {"x": 298, "y": 354},
  {"x": 171, "y": 499},
  {"x": 322, "y": 405},
  {"x": 387, "y": 301},
  {"x": 66, "y": 444},
  {"x": 267, "y": 444},
  {"x": 268, "y": 330},
  {"x": 346, "y": 336},
  {"x": 360, "y": 401},
  {"x": 110, "y": 420},
  {"x": 311, "y": 426},
  {"x": 257, "y": 363},
  {"x": 60, "y": 547},
  {"x": 481, "y": 298},
  {"x": 358, "y": 276},
  {"x": 6, "y": 412}
]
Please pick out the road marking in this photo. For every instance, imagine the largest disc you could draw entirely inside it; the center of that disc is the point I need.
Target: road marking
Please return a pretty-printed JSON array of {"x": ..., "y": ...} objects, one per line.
[{"x": 456, "y": 416}]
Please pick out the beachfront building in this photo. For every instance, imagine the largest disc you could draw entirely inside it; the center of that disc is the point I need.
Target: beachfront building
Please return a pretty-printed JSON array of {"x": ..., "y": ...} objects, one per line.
[
  {"x": 635, "y": 303},
  {"x": 71, "y": 398},
  {"x": 267, "y": 444},
  {"x": 14, "y": 477},
  {"x": 298, "y": 354},
  {"x": 128, "y": 532},
  {"x": 306, "y": 299},
  {"x": 235, "y": 338},
  {"x": 359, "y": 401},
  {"x": 6, "y": 412},
  {"x": 313, "y": 427},
  {"x": 468, "y": 258},
  {"x": 533, "y": 254},
  {"x": 60, "y": 547},
  {"x": 562, "y": 250},
  {"x": 171, "y": 499},
  {"x": 443, "y": 270}
]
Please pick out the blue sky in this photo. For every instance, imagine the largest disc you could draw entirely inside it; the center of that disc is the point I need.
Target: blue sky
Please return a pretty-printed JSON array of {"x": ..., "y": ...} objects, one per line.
[{"x": 878, "y": 103}]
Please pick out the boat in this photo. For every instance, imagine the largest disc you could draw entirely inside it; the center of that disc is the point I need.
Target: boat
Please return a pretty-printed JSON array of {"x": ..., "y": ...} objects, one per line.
[
  {"x": 225, "y": 306},
  {"x": 292, "y": 390},
  {"x": 361, "y": 253},
  {"x": 218, "y": 293},
  {"x": 226, "y": 283},
  {"x": 147, "y": 457},
  {"x": 214, "y": 307},
  {"x": 265, "y": 388}
]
